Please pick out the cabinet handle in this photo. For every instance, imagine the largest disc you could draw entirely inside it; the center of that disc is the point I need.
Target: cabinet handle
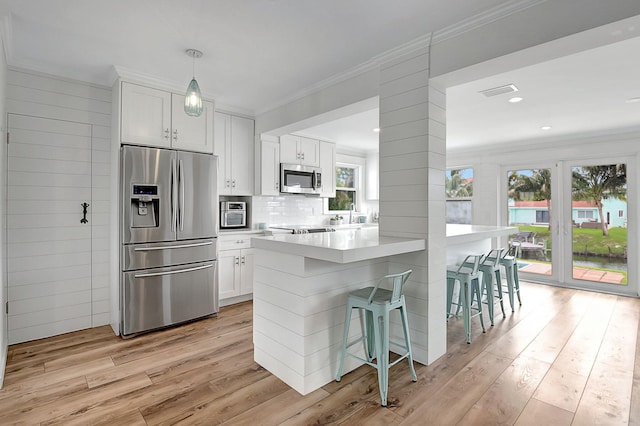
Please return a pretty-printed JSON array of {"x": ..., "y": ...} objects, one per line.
[
  {"x": 166, "y": 133},
  {"x": 233, "y": 183},
  {"x": 277, "y": 185},
  {"x": 228, "y": 183},
  {"x": 243, "y": 262},
  {"x": 175, "y": 134},
  {"x": 302, "y": 154},
  {"x": 237, "y": 260}
]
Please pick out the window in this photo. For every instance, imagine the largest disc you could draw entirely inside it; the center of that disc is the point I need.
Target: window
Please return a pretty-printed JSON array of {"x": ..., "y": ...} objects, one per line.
[
  {"x": 346, "y": 188},
  {"x": 459, "y": 183},
  {"x": 459, "y": 190},
  {"x": 620, "y": 213},
  {"x": 542, "y": 216},
  {"x": 585, "y": 214}
]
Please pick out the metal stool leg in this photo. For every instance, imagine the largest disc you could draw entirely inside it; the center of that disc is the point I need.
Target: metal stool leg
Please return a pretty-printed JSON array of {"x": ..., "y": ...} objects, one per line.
[{"x": 347, "y": 321}]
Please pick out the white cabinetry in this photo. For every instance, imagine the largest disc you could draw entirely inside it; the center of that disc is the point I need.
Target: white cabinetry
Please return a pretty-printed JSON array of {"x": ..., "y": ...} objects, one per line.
[
  {"x": 235, "y": 267},
  {"x": 233, "y": 144},
  {"x": 156, "y": 118},
  {"x": 299, "y": 150},
  {"x": 328, "y": 166},
  {"x": 372, "y": 173},
  {"x": 268, "y": 166}
]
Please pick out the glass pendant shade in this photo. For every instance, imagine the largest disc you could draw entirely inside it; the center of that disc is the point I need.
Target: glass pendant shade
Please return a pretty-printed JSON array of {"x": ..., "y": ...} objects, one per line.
[{"x": 193, "y": 99}]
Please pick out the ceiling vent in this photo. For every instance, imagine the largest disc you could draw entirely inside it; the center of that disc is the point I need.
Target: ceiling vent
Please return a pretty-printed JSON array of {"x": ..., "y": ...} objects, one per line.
[{"x": 509, "y": 88}]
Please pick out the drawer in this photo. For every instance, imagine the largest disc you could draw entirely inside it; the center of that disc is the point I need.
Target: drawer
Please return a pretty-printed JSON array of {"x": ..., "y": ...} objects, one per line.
[{"x": 237, "y": 242}]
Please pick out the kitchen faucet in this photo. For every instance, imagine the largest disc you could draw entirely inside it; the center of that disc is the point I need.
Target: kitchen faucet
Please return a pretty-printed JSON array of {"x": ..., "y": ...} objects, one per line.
[{"x": 352, "y": 206}]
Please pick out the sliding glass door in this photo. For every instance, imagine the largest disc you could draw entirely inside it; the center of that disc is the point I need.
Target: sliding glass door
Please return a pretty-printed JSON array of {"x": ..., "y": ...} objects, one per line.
[
  {"x": 530, "y": 195},
  {"x": 576, "y": 221},
  {"x": 596, "y": 223}
]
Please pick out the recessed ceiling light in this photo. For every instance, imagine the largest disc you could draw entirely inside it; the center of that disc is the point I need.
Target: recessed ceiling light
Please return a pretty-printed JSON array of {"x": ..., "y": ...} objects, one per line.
[
  {"x": 545, "y": 128},
  {"x": 515, "y": 99},
  {"x": 632, "y": 100},
  {"x": 376, "y": 130}
]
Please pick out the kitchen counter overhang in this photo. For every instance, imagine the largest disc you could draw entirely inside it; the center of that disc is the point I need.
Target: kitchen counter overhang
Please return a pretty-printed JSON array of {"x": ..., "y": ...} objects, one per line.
[{"x": 343, "y": 246}]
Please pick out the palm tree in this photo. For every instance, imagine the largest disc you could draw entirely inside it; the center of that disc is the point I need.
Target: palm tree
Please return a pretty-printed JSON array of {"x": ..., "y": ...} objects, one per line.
[
  {"x": 537, "y": 184},
  {"x": 597, "y": 183},
  {"x": 456, "y": 187}
]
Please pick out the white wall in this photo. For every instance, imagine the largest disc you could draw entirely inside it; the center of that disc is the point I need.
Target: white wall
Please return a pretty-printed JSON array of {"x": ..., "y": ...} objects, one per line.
[
  {"x": 3, "y": 213},
  {"x": 40, "y": 95}
]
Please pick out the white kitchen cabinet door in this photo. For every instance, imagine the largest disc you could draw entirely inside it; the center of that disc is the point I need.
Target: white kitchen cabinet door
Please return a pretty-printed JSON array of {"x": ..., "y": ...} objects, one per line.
[
  {"x": 146, "y": 116},
  {"x": 242, "y": 166},
  {"x": 289, "y": 149},
  {"x": 246, "y": 271},
  {"x": 228, "y": 273},
  {"x": 233, "y": 144},
  {"x": 299, "y": 150},
  {"x": 309, "y": 150},
  {"x": 191, "y": 133},
  {"x": 49, "y": 245},
  {"x": 372, "y": 173},
  {"x": 269, "y": 167},
  {"x": 221, "y": 145},
  {"x": 328, "y": 167}
]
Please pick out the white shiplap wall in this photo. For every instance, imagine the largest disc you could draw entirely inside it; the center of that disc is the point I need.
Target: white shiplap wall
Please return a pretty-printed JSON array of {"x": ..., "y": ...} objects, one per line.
[
  {"x": 412, "y": 164},
  {"x": 40, "y": 95}
]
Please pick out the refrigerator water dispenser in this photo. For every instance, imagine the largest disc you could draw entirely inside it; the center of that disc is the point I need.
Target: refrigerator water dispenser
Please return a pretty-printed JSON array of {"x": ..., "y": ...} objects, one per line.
[{"x": 145, "y": 206}]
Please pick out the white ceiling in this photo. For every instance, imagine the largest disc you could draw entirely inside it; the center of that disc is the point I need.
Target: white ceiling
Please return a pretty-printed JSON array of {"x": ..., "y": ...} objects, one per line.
[
  {"x": 257, "y": 53},
  {"x": 261, "y": 53}
]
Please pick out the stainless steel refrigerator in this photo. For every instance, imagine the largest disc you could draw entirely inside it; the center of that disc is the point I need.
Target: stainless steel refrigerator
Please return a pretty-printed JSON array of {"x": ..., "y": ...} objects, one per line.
[{"x": 168, "y": 238}]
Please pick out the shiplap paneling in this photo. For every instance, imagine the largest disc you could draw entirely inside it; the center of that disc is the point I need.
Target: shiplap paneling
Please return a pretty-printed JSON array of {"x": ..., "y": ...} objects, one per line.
[
  {"x": 43, "y": 176},
  {"x": 412, "y": 164}
]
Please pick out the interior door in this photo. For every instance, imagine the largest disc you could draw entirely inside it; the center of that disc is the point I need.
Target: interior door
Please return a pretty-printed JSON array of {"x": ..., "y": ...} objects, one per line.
[{"x": 49, "y": 242}]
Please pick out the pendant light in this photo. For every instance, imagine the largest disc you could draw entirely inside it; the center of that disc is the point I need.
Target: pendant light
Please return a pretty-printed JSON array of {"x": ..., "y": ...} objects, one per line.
[{"x": 193, "y": 98}]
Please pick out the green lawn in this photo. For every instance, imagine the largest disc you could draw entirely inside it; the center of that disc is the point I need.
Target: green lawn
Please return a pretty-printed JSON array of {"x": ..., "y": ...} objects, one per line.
[{"x": 590, "y": 241}]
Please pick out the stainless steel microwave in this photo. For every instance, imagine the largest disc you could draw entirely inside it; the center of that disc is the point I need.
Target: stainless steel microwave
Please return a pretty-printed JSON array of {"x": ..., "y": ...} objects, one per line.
[
  {"x": 298, "y": 179},
  {"x": 233, "y": 214}
]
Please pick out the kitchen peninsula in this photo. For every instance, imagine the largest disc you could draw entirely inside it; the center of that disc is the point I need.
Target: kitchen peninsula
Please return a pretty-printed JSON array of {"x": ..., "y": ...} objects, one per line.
[{"x": 301, "y": 284}]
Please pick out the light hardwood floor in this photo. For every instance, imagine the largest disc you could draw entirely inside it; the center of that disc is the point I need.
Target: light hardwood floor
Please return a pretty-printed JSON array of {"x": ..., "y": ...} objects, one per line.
[{"x": 564, "y": 357}]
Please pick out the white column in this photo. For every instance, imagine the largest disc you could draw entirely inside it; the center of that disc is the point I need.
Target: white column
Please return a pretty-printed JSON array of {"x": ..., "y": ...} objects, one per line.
[{"x": 412, "y": 165}]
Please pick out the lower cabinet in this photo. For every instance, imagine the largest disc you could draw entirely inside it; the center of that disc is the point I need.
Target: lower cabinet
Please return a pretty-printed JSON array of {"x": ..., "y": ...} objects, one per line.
[{"x": 235, "y": 270}]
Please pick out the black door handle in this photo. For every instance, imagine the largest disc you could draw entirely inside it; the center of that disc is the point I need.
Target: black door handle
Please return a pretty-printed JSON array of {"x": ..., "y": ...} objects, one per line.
[{"x": 84, "y": 212}]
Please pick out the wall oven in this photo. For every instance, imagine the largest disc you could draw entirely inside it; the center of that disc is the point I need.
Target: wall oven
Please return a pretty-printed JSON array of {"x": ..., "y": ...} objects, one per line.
[
  {"x": 233, "y": 214},
  {"x": 298, "y": 179}
]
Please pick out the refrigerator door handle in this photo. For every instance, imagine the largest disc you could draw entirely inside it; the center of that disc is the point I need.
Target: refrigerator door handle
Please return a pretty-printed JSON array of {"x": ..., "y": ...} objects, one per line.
[
  {"x": 172, "y": 247},
  {"x": 174, "y": 195},
  {"x": 180, "y": 271},
  {"x": 181, "y": 195}
]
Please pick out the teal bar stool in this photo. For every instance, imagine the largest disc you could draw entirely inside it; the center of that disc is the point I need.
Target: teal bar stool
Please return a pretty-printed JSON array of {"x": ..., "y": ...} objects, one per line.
[
  {"x": 510, "y": 263},
  {"x": 377, "y": 303},
  {"x": 491, "y": 281},
  {"x": 468, "y": 275}
]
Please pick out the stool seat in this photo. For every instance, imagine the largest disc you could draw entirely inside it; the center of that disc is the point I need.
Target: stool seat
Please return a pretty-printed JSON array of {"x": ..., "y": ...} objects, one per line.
[{"x": 377, "y": 303}]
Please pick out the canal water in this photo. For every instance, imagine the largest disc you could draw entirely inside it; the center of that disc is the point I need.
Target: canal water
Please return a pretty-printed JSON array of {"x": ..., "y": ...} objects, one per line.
[{"x": 600, "y": 262}]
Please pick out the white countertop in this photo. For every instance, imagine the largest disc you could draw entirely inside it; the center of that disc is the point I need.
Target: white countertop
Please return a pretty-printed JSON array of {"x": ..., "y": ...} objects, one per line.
[
  {"x": 342, "y": 246},
  {"x": 465, "y": 233}
]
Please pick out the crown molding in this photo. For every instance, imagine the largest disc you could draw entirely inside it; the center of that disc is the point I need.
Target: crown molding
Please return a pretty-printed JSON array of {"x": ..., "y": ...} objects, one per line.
[{"x": 423, "y": 42}]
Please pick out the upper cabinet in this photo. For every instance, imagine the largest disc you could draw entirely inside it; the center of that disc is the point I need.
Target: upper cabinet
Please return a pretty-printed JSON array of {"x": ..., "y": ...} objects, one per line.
[
  {"x": 156, "y": 117},
  {"x": 268, "y": 166},
  {"x": 233, "y": 144},
  {"x": 299, "y": 150},
  {"x": 328, "y": 166},
  {"x": 372, "y": 173}
]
